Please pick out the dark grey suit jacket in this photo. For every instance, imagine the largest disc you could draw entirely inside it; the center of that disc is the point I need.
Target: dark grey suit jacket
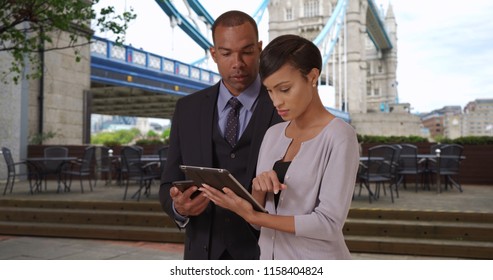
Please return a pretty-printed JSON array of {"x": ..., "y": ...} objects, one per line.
[{"x": 191, "y": 144}]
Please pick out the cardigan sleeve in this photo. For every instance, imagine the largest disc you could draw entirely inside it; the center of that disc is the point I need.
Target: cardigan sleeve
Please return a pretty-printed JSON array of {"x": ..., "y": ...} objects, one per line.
[{"x": 326, "y": 220}]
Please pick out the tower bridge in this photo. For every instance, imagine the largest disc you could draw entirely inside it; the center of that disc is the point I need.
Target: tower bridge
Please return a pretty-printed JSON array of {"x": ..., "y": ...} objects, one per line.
[{"x": 125, "y": 81}]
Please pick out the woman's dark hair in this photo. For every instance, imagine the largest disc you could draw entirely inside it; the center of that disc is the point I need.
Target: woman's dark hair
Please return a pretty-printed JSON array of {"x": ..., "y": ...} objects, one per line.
[
  {"x": 295, "y": 50},
  {"x": 231, "y": 19}
]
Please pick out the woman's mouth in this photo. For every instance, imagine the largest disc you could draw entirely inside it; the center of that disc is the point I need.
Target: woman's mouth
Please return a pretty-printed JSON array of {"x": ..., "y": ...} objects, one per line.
[{"x": 282, "y": 113}]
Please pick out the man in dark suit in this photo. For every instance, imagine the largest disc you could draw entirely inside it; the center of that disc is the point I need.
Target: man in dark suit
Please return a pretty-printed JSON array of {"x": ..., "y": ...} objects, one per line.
[{"x": 198, "y": 137}]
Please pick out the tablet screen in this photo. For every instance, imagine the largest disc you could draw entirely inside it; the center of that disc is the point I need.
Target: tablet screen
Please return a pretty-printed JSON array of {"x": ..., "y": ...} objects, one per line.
[{"x": 219, "y": 178}]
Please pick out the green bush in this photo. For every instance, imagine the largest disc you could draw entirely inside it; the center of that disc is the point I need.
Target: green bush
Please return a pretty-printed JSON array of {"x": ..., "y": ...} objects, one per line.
[
  {"x": 149, "y": 141},
  {"x": 119, "y": 137},
  {"x": 467, "y": 140},
  {"x": 473, "y": 140},
  {"x": 391, "y": 139}
]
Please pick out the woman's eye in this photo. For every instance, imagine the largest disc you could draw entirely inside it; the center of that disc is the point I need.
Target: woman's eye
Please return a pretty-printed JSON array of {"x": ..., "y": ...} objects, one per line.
[{"x": 284, "y": 89}]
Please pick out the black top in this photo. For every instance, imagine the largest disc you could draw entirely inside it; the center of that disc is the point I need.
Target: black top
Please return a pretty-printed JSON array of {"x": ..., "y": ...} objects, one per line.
[{"x": 280, "y": 167}]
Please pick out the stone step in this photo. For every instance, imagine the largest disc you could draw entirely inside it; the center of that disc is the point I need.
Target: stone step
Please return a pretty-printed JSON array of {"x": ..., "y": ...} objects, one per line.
[
  {"x": 411, "y": 232},
  {"x": 419, "y": 229},
  {"x": 420, "y": 215},
  {"x": 420, "y": 247},
  {"x": 86, "y": 216},
  {"x": 110, "y": 232},
  {"x": 95, "y": 205}
]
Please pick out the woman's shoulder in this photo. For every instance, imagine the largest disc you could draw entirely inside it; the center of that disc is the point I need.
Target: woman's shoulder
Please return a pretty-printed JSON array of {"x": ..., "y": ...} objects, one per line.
[
  {"x": 341, "y": 125},
  {"x": 277, "y": 128}
]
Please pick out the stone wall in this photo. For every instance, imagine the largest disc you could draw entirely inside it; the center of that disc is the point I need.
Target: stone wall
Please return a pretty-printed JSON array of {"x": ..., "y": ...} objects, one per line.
[
  {"x": 386, "y": 124},
  {"x": 64, "y": 83},
  {"x": 12, "y": 116}
]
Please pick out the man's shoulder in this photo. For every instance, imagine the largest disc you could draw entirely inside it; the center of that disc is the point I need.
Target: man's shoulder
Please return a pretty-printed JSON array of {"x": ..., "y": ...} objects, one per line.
[{"x": 200, "y": 94}]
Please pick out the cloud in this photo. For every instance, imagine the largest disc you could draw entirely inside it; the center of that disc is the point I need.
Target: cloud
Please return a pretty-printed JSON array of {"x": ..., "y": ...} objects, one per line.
[{"x": 445, "y": 52}]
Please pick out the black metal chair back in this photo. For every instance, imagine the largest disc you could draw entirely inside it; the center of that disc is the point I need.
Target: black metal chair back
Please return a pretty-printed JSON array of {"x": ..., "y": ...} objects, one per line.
[
  {"x": 380, "y": 160},
  {"x": 137, "y": 171},
  {"x": 81, "y": 168},
  {"x": 450, "y": 156},
  {"x": 449, "y": 165},
  {"x": 409, "y": 157},
  {"x": 163, "y": 156},
  {"x": 409, "y": 164},
  {"x": 131, "y": 161},
  {"x": 12, "y": 173},
  {"x": 7, "y": 155},
  {"x": 53, "y": 166},
  {"x": 87, "y": 160},
  {"x": 378, "y": 169}
]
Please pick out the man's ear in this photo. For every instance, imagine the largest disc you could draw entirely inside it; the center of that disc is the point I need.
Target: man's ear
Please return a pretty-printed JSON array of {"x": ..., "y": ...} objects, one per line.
[{"x": 212, "y": 50}]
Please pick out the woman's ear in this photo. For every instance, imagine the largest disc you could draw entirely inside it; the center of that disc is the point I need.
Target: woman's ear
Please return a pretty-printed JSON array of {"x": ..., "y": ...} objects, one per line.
[{"x": 313, "y": 76}]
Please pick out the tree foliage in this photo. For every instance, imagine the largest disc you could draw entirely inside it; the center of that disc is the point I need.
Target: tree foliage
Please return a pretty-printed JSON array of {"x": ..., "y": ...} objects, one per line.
[
  {"x": 119, "y": 137},
  {"x": 30, "y": 27}
]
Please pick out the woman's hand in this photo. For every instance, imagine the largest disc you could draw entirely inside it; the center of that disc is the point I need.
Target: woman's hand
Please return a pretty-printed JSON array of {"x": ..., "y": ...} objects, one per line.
[
  {"x": 267, "y": 182},
  {"x": 229, "y": 200}
]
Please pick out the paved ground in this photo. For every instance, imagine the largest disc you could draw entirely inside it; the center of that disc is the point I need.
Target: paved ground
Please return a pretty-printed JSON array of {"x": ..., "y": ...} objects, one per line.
[{"x": 474, "y": 198}]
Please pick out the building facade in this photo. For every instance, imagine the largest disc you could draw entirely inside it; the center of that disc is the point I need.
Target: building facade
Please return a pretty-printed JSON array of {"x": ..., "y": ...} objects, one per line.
[
  {"x": 477, "y": 119},
  {"x": 444, "y": 122}
]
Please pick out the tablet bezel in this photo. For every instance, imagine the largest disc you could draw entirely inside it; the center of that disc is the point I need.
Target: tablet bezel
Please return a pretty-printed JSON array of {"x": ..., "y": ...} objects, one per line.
[{"x": 219, "y": 178}]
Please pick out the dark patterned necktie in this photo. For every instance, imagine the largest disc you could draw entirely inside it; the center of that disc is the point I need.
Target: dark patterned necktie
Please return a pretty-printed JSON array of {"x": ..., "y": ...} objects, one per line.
[{"x": 232, "y": 121}]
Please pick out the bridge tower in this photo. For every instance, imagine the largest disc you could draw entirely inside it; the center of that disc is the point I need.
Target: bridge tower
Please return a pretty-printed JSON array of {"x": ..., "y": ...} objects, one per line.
[{"x": 371, "y": 72}]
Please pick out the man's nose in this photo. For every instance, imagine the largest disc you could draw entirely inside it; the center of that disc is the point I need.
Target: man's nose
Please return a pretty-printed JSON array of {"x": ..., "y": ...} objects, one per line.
[{"x": 238, "y": 60}]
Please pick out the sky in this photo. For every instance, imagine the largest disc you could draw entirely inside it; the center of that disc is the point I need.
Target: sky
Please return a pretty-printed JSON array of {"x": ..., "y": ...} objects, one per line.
[{"x": 445, "y": 48}]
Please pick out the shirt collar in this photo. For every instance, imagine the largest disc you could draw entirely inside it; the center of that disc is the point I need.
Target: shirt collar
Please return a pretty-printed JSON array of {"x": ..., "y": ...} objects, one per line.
[{"x": 247, "y": 97}]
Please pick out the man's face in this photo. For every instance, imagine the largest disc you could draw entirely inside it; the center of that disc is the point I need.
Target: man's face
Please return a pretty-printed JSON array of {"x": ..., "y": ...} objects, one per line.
[{"x": 236, "y": 53}]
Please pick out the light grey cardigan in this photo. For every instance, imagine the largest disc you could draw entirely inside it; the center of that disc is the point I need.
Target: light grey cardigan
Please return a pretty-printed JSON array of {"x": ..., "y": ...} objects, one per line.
[{"x": 320, "y": 184}]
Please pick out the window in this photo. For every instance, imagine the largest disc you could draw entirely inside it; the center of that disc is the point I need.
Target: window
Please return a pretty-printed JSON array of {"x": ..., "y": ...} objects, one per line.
[
  {"x": 289, "y": 13},
  {"x": 376, "y": 91},
  {"x": 310, "y": 8}
]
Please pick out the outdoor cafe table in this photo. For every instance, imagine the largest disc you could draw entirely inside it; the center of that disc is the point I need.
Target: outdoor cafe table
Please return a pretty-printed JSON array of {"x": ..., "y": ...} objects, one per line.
[
  {"x": 426, "y": 158},
  {"x": 39, "y": 162}
]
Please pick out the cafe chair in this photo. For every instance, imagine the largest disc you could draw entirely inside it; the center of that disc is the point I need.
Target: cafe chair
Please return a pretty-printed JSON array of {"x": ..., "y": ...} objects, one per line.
[
  {"x": 409, "y": 165},
  {"x": 80, "y": 168},
  {"x": 121, "y": 168},
  {"x": 31, "y": 172},
  {"x": 137, "y": 171},
  {"x": 448, "y": 165},
  {"x": 395, "y": 168},
  {"x": 378, "y": 169},
  {"x": 54, "y": 167},
  {"x": 163, "y": 156}
]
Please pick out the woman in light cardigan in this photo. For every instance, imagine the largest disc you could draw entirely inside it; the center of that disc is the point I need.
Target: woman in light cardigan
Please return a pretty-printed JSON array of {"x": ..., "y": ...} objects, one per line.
[{"x": 307, "y": 166}]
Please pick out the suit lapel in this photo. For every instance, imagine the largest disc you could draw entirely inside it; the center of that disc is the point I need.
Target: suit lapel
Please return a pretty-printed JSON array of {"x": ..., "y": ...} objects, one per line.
[{"x": 207, "y": 109}]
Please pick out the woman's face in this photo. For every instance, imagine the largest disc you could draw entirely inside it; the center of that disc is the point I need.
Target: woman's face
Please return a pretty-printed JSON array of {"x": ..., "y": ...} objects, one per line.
[{"x": 291, "y": 92}]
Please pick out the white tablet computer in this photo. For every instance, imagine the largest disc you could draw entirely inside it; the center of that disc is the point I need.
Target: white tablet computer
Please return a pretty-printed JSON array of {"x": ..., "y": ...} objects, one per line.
[{"x": 219, "y": 178}]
